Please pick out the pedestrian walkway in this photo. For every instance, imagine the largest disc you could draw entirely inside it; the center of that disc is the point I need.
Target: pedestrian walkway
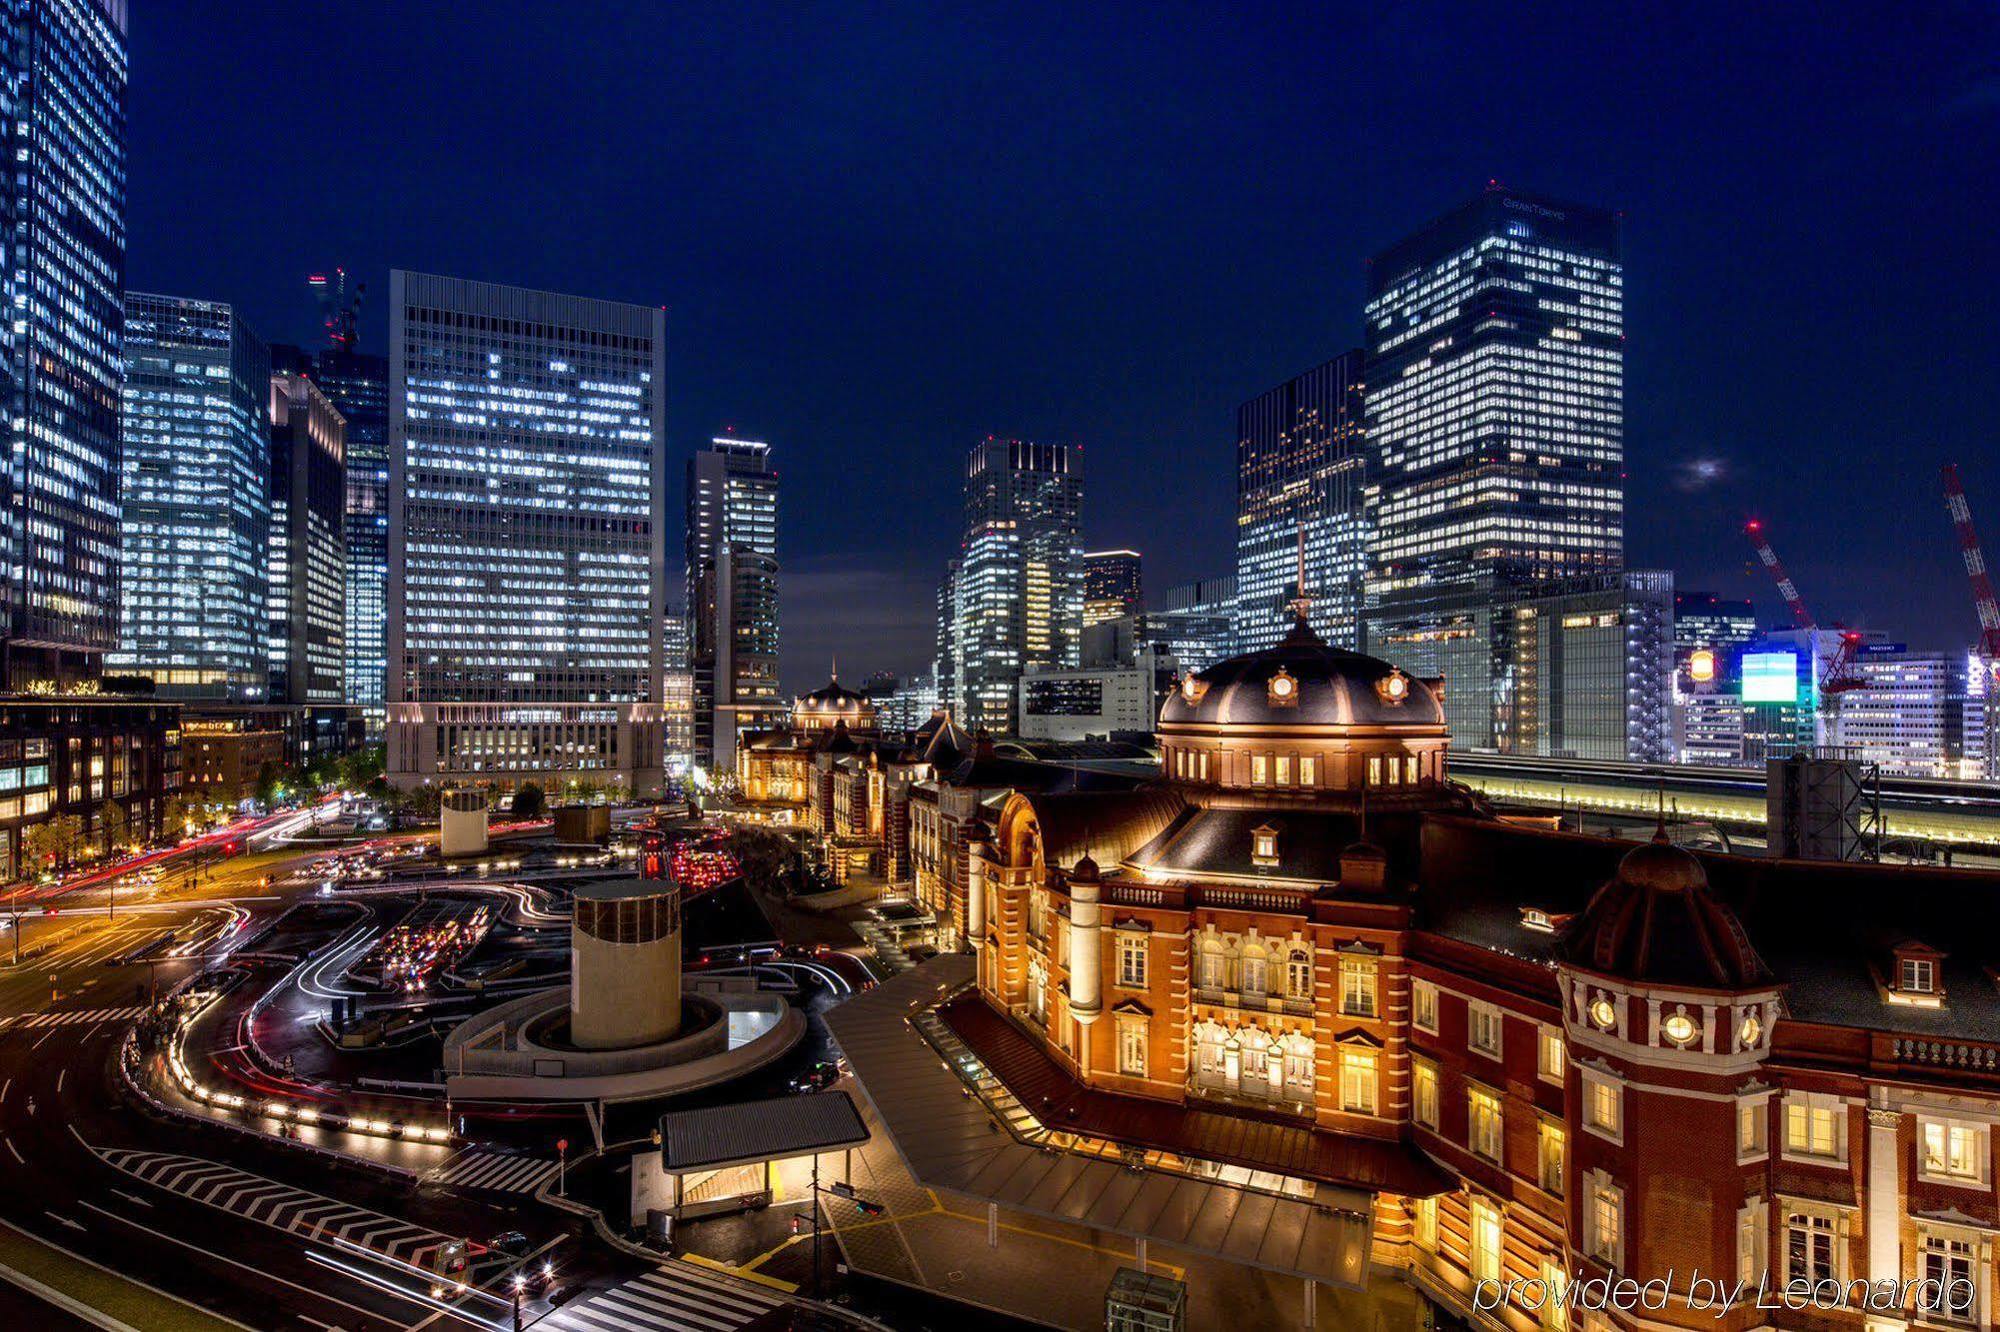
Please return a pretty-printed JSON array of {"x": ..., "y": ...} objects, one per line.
[
  {"x": 883, "y": 943},
  {"x": 679, "y": 1297},
  {"x": 280, "y": 1206},
  {"x": 78, "y": 1015},
  {"x": 494, "y": 1172}
]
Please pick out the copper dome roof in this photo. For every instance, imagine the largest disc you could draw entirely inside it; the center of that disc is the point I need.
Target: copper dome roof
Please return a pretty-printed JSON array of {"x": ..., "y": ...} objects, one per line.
[
  {"x": 1327, "y": 686},
  {"x": 1656, "y": 922}
]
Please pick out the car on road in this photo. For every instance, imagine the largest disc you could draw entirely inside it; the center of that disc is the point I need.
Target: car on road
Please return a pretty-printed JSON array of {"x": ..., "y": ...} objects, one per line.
[
  {"x": 817, "y": 1078},
  {"x": 512, "y": 1243}
]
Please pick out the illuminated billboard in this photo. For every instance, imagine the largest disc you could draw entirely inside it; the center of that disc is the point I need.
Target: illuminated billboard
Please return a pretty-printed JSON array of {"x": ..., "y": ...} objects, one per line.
[{"x": 1770, "y": 677}]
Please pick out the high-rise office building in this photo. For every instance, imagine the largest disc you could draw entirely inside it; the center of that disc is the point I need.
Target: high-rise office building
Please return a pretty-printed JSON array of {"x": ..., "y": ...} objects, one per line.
[
  {"x": 357, "y": 384},
  {"x": 1300, "y": 474},
  {"x": 526, "y": 486},
  {"x": 1587, "y": 668},
  {"x": 1196, "y": 622},
  {"x": 1017, "y": 590},
  {"x": 308, "y": 564},
  {"x": 1709, "y": 634},
  {"x": 1495, "y": 420},
  {"x": 732, "y": 595},
  {"x": 677, "y": 692},
  {"x": 196, "y": 470},
  {"x": 62, "y": 231},
  {"x": 1111, "y": 585}
]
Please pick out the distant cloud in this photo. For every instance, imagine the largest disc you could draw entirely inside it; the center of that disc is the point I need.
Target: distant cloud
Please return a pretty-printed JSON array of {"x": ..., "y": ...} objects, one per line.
[
  {"x": 1692, "y": 475},
  {"x": 870, "y": 617}
]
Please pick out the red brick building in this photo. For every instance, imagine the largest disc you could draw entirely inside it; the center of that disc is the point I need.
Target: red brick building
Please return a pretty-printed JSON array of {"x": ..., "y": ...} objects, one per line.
[{"x": 1549, "y": 1059}]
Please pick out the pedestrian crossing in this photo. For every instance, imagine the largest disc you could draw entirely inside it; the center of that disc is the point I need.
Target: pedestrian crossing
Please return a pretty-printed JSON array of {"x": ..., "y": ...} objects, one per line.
[
  {"x": 74, "y": 1015},
  {"x": 495, "y": 1172},
  {"x": 679, "y": 1297},
  {"x": 310, "y": 1215}
]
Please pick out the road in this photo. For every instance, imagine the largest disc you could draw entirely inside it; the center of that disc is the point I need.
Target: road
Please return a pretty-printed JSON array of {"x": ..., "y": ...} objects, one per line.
[{"x": 264, "y": 1235}]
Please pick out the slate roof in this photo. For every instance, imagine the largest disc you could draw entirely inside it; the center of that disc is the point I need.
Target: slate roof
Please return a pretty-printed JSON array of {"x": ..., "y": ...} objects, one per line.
[{"x": 765, "y": 1130}]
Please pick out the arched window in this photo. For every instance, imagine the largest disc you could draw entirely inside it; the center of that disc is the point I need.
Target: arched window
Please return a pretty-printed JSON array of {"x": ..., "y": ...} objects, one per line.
[
  {"x": 1038, "y": 989},
  {"x": 1253, "y": 970},
  {"x": 1298, "y": 1063},
  {"x": 1209, "y": 1038},
  {"x": 1299, "y": 974},
  {"x": 1256, "y": 1058},
  {"x": 1213, "y": 970}
]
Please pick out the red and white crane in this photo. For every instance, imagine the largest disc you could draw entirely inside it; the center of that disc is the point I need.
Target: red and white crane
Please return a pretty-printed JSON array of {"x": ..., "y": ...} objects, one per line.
[
  {"x": 1839, "y": 676},
  {"x": 1983, "y": 598}
]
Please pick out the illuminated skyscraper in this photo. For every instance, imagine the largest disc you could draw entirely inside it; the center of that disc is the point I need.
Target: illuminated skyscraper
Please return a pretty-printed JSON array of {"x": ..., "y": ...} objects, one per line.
[
  {"x": 1495, "y": 419},
  {"x": 197, "y": 500},
  {"x": 357, "y": 384},
  {"x": 1016, "y": 593},
  {"x": 62, "y": 231},
  {"x": 1111, "y": 585},
  {"x": 1300, "y": 468},
  {"x": 308, "y": 564},
  {"x": 526, "y": 483},
  {"x": 732, "y": 595}
]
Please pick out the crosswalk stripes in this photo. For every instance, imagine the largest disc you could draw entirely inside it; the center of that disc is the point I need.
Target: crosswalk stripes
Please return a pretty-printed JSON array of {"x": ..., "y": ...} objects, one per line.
[
  {"x": 495, "y": 1172},
  {"x": 280, "y": 1206},
  {"x": 679, "y": 1297},
  {"x": 80, "y": 1015}
]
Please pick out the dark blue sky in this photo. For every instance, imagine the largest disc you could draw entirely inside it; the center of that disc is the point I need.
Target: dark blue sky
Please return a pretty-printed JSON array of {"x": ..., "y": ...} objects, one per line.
[{"x": 882, "y": 233}]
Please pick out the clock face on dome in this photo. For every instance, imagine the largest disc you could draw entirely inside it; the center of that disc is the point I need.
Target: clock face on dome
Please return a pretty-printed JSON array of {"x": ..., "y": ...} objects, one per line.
[
  {"x": 1393, "y": 687},
  {"x": 1283, "y": 689}
]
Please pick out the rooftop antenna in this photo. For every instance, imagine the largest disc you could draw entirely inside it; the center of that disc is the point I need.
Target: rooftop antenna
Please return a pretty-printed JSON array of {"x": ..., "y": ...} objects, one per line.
[{"x": 1301, "y": 603}]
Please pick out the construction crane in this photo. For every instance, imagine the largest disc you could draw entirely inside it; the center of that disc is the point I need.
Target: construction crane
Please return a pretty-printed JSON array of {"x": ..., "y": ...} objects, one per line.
[
  {"x": 1983, "y": 598},
  {"x": 1839, "y": 677}
]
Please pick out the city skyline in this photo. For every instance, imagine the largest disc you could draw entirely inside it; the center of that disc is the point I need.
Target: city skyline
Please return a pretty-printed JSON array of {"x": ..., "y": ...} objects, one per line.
[{"x": 1741, "y": 338}]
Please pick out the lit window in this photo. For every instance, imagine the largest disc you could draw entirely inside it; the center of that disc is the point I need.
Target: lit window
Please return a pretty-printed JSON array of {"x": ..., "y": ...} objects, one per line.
[
  {"x": 1260, "y": 770},
  {"x": 1357, "y": 1081},
  {"x": 1308, "y": 771},
  {"x": 1375, "y": 770},
  {"x": 1551, "y": 1056},
  {"x": 1952, "y": 1150},
  {"x": 1751, "y": 1120},
  {"x": 1424, "y": 1006},
  {"x": 1809, "y": 1248},
  {"x": 1132, "y": 961},
  {"x": 1552, "y": 1158},
  {"x": 1605, "y": 1219},
  {"x": 1486, "y": 1241},
  {"x": 1554, "y": 1310},
  {"x": 1299, "y": 974},
  {"x": 1917, "y": 975},
  {"x": 1424, "y": 1097},
  {"x": 1751, "y": 1243},
  {"x": 1132, "y": 1046},
  {"x": 1482, "y": 1028},
  {"x": 1424, "y": 1223},
  {"x": 1946, "y": 1290},
  {"x": 1603, "y": 1107},
  {"x": 1357, "y": 986},
  {"x": 1815, "y": 1125},
  {"x": 1251, "y": 971},
  {"x": 1483, "y": 1123},
  {"x": 1284, "y": 769},
  {"x": 1264, "y": 845}
]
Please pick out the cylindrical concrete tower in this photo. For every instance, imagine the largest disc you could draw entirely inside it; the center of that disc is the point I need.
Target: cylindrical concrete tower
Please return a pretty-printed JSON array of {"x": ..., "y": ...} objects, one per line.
[
  {"x": 1086, "y": 983},
  {"x": 625, "y": 964},
  {"x": 976, "y": 870},
  {"x": 462, "y": 823}
]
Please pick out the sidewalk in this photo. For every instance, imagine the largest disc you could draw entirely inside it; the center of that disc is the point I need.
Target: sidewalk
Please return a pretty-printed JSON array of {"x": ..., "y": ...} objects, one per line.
[{"x": 96, "y": 1294}]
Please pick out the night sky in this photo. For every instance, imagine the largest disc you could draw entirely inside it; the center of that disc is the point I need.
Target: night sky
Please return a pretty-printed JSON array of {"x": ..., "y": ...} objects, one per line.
[{"x": 884, "y": 233}]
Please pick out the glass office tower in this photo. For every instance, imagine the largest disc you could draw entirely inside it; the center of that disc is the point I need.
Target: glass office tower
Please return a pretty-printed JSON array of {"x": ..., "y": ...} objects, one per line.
[
  {"x": 62, "y": 228},
  {"x": 358, "y": 386},
  {"x": 731, "y": 555},
  {"x": 197, "y": 500},
  {"x": 1111, "y": 585},
  {"x": 308, "y": 568},
  {"x": 526, "y": 484},
  {"x": 1300, "y": 470},
  {"x": 1016, "y": 592},
  {"x": 1495, "y": 419}
]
